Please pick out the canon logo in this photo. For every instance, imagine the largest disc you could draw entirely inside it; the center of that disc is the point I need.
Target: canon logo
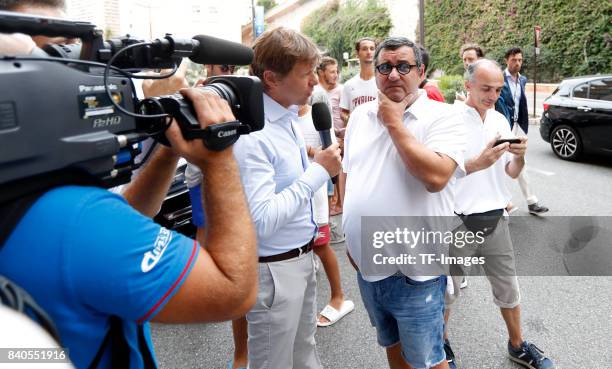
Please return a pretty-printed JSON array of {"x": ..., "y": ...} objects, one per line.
[{"x": 222, "y": 134}]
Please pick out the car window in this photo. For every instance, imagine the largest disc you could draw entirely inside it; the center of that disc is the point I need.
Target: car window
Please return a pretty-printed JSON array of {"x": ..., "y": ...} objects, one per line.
[
  {"x": 601, "y": 90},
  {"x": 581, "y": 91}
]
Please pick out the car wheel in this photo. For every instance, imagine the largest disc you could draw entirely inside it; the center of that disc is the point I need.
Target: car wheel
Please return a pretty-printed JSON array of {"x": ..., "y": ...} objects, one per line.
[{"x": 566, "y": 143}]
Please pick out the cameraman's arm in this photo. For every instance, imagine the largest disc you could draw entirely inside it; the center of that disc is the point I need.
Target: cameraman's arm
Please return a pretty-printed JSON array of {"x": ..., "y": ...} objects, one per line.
[
  {"x": 223, "y": 282},
  {"x": 147, "y": 191}
]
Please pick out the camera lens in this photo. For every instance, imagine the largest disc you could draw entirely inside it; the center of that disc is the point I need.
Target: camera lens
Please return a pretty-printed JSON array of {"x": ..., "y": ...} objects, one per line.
[{"x": 223, "y": 91}]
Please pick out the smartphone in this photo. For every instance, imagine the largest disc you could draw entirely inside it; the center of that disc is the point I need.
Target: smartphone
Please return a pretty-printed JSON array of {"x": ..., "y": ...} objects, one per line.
[{"x": 509, "y": 140}]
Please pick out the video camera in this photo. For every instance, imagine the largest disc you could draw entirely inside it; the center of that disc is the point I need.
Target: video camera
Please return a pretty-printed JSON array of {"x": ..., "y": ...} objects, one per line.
[{"x": 74, "y": 107}]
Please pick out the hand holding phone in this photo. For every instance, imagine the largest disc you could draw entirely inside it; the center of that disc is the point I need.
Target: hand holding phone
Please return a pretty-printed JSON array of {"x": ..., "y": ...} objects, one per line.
[{"x": 508, "y": 140}]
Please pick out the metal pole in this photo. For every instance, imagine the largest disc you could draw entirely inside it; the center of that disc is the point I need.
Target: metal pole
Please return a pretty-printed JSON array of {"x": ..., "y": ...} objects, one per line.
[
  {"x": 422, "y": 22},
  {"x": 253, "y": 19},
  {"x": 535, "y": 70}
]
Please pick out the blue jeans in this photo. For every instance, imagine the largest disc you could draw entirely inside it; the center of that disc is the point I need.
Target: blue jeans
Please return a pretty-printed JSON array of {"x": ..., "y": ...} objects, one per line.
[{"x": 408, "y": 312}]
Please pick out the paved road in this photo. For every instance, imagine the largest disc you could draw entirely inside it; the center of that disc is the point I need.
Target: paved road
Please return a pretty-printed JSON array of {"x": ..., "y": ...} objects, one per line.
[{"x": 568, "y": 317}]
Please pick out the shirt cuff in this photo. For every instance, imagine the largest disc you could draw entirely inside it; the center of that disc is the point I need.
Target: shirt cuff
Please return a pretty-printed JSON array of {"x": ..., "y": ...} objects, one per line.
[{"x": 315, "y": 176}]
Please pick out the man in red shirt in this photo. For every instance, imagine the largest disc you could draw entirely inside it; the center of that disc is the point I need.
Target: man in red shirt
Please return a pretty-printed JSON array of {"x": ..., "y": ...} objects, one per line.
[{"x": 433, "y": 92}]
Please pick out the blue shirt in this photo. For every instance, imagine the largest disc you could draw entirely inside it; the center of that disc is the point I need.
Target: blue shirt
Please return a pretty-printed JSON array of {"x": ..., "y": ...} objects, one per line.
[
  {"x": 84, "y": 254},
  {"x": 278, "y": 180}
]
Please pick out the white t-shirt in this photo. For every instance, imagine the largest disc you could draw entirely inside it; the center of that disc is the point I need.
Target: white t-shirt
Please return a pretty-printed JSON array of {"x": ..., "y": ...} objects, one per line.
[
  {"x": 312, "y": 138},
  {"x": 485, "y": 189},
  {"x": 356, "y": 91},
  {"x": 378, "y": 183}
]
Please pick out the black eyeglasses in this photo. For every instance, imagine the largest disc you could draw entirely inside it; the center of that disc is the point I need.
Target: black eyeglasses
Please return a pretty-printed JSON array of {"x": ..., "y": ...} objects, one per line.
[{"x": 387, "y": 68}]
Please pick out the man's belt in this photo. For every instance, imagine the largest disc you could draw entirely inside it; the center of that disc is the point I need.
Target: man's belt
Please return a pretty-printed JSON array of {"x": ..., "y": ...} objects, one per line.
[{"x": 288, "y": 255}]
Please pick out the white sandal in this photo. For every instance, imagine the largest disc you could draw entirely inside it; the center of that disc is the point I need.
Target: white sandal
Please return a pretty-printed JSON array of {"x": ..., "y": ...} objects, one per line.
[{"x": 334, "y": 315}]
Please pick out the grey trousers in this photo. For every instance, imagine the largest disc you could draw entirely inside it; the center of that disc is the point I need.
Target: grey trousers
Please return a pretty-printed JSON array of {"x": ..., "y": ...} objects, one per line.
[
  {"x": 282, "y": 324},
  {"x": 499, "y": 266}
]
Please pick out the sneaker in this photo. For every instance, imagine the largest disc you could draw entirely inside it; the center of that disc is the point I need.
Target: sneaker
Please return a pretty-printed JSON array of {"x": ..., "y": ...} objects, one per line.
[
  {"x": 529, "y": 356},
  {"x": 450, "y": 355},
  {"x": 536, "y": 209},
  {"x": 463, "y": 283}
]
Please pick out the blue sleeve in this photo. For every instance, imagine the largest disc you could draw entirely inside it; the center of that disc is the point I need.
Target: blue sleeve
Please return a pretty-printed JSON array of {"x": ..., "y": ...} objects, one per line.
[
  {"x": 198, "y": 218},
  {"x": 501, "y": 105},
  {"x": 121, "y": 262}
]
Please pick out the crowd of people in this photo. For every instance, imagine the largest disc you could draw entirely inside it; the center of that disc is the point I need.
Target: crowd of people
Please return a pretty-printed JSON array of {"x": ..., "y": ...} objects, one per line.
[{"x": 103, "y": 269}]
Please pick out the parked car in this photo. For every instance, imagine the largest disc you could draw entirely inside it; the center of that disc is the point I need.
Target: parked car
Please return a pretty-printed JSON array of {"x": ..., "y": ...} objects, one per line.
[
  {"x": 577, "y": 117},
  {"x": 175, "y": 212}
]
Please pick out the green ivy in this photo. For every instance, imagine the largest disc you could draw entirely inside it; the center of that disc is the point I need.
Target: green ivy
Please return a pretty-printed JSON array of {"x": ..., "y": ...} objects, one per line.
[
  {"x": 576, "y": 34},
  {"x": 336, "y": 26},
  {"x": 450, "y": 85}
]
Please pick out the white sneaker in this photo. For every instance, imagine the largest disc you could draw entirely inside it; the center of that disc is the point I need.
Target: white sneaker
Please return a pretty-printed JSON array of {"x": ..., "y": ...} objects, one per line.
[{"x": 463, "y": 283}]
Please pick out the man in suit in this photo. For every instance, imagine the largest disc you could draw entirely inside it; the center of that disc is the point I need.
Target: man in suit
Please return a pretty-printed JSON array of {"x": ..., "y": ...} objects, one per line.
[{"x": 513, "y": 105}]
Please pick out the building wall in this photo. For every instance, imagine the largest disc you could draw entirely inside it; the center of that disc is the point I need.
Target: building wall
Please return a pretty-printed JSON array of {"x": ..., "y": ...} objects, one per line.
[{"x": 150, "y": 19}]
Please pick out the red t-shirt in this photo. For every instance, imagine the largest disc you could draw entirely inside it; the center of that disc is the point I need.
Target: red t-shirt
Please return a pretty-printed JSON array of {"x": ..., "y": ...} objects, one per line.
[{"x": 433, "y": 93}]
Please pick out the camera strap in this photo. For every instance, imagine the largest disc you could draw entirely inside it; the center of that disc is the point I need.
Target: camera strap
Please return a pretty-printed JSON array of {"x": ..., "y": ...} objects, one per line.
[{"x": 120, "y": 351}]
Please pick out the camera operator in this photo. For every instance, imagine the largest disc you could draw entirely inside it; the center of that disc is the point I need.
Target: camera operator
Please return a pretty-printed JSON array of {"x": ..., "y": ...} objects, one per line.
[{"x": 96, "y": 265}]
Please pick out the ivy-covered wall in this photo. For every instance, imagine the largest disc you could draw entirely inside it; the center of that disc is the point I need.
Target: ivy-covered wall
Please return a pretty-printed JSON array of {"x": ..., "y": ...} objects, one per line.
[
  {"x": 337, "y": 25},
  {"x": 576, "y": 34}
]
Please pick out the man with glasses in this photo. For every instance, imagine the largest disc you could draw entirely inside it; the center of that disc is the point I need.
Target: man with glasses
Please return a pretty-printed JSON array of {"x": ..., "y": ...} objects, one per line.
[{"x": 401, "y": 154}]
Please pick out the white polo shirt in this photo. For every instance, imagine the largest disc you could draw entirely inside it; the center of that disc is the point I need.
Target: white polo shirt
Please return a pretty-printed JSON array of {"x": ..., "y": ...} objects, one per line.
[
  {"x": 378, "y": 183},
  {"x": 485, "y": 189}
]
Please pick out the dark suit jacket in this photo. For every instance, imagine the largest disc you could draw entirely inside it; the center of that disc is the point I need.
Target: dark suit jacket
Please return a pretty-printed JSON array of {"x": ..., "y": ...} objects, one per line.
[{"x": 505, "y": 104}]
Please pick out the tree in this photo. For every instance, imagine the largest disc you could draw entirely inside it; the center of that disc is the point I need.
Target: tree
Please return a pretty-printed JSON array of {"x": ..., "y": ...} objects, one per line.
[
  {"x": 336, "y": 26},
  {"x": 575, "y": 33},
  {"x": 267, "y": 4}
]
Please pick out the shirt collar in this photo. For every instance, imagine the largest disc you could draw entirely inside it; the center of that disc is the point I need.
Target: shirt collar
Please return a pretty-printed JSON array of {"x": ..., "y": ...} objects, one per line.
[
  {"x": 507, "y": 73},
  {"x": 275, "y": 111},
  {"x": 475, "y": 116}
]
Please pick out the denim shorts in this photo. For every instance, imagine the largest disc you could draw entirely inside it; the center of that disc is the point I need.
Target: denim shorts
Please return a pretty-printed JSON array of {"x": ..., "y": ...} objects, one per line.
[{"x": 408, "y": 312}]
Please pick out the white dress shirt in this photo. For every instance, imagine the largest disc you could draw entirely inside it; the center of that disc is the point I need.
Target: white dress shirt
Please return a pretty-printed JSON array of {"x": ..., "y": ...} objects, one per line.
[
  {"x": 378, "y": 183},
  {"x": 278, "y": 181},
  {"x": 486, "y": 189}
]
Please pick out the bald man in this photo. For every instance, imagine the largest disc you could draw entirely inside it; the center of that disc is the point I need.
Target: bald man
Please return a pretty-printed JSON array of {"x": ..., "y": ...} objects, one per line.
[{"x": 482, "y": 196}]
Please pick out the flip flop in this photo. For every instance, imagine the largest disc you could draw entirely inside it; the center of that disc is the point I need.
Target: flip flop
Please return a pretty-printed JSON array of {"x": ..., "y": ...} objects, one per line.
[
  {"x": 231, "y": 365},
  {"x": 334, "y": 315}
]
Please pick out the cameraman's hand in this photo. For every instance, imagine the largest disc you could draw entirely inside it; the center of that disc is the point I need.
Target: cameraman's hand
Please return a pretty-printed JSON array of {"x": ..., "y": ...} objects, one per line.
[
  {"x": 166, "y": 86},
  {"x": 210, "y": 109},
  {"x": 330, "y": 159}
]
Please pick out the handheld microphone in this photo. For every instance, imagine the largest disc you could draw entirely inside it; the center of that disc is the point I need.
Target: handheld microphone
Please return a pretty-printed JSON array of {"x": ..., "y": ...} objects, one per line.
[{"x": 322, "y": 119}]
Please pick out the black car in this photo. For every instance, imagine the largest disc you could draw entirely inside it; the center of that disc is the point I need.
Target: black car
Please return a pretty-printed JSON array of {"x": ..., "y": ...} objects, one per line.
[
  {"x": 577, "y": 117},
  {"x": 175, "y": 212}
]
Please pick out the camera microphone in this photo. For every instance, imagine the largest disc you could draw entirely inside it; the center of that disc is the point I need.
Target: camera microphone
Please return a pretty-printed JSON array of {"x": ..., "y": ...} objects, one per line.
[
  {"x": 322, "y": 119},
  {"x": 212, "y": 50}
]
